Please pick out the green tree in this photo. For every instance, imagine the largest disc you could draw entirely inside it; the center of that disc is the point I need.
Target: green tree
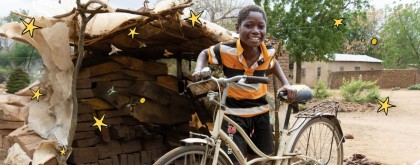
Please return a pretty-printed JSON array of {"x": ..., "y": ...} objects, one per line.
[
  {"x": 400, "y": 46},
  {"x": 307, "y": 26},
  {"x": 18, "y": 80}
]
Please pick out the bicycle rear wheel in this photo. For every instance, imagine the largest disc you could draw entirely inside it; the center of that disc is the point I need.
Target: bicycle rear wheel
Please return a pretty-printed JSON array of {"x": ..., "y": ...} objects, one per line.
[
  {"x": 319, "y": 140},
  {"x": 189, "y": 155}
]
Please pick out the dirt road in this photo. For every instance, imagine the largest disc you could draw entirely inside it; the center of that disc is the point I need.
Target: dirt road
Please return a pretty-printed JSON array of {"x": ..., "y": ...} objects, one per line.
[{"x": 392, "y": 139}]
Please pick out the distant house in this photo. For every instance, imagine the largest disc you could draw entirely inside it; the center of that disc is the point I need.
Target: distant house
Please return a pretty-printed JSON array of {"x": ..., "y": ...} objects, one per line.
[{"x": 314, "y": 71}]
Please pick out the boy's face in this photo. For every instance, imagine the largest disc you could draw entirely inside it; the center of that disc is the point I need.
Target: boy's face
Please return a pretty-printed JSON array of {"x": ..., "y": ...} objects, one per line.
[{"x": 252, "y": 29}]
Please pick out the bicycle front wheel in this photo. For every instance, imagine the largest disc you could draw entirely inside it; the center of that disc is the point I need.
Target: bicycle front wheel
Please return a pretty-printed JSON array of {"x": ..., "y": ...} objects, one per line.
[
  {"x": 319, "y": 139},
  {"x": 190, "y": 155}
]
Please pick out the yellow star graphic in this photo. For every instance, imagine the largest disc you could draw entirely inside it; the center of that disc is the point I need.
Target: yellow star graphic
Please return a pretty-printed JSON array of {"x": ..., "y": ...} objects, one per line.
[
  {"x": 133, "y": 32},
  {"x": 36, "y": 95},
  {"x": 63, "y": 151},
  {"x": 338, "y": 22},
  {"x": 29, "y": 27},
  {"x": 194, "y": 18},
  {"x": 385, "y": 105},
  {"x": 99, "y": 123}
]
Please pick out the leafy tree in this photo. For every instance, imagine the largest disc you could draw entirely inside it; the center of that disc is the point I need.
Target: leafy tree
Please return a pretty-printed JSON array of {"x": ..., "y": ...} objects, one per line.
[
  {"x": 307, "y": 26},
  {"x": 400, "y": 46},
  {"x": 18, "y": 80}
]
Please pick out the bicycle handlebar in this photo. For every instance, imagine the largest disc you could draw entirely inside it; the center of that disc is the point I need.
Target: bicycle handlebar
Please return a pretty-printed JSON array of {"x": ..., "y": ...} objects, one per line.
[{"x": 249, "y": 79}]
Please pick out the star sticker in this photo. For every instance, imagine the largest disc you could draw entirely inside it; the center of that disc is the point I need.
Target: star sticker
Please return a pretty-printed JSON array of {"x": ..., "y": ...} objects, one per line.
[
  {"x": 36, "y": 95},
  {"x": 29, "y": 27},
  {"x": 142, "y": 45},
  {"x": 194, "y": 18},
  {"x": 99, "y": 123},
  {"x": 63, "y": 151},
  {"x": 111, "y": 91},
  {"x": 114, "y": 50},
  {"x": 385, "y": 105},
  {"x": 167, "y": 53},
  {"x": 338, "y": 22},
  {"x": 132, "y": 33}
]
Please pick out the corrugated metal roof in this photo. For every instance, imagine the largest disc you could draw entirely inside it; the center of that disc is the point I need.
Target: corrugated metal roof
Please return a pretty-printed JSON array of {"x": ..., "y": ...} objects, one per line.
[{"x": 355, "y": 58}]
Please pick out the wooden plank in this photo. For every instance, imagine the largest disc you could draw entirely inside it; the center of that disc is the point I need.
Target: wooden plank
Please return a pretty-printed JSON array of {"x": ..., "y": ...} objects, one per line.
[
  {"x": 153, "y": 144},
  {"x": 115, "y": 113},
  {"x": 130, "y": 62},
  {"x": 152, "y": 91},
  {"x": 139, "y": 75},
  {"x": 122, "y": 101},
  {"x": 86, "y": 118},
  {"x": 115, "y": 160},
  {"x": 84, "y": 93},
  {"x": 97, "y": 104},
  {"x": 108, "y": 149},
  {"x": 85, "y": 127},
  {"x": 105, "y": 162},
  {"x": 113, "y": 121},
  {"x": 169, "y": 82},
  {"x": 111, "y": 77},
  {"x": 119, "y": 131},
  {"x": 131, "y": 121},
  {"x": 101, "y": 92},
  {"x": 123, "y": 83},
  {"x": 130, "y": 159},
  {"x": 84, "y": 73},
  {"x": 104, "y": 68},
  {"x": 84, "y": 108},
  {"x": 84, "y": 135},
  {"x": 105, "y": 135},
  {"x": 137, "y": 159},
  {"x": 88, "y": 142},
  {"x": 11, "y": 124},
  {"x": 158, "y": 68},
  {"x": 123, "y": 159},
  {"x": 131, "y": 146},
  {"x": 84, "y": 84},
  {"x": 146, "y": 157},
  {"x": 84, "y": 155},
  {"x": 5, "y": 132}
]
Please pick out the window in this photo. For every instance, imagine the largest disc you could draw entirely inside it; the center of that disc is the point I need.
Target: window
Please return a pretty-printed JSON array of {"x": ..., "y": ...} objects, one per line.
[
  {"x": 357, "y": 68},
  {"x": 318, "y": 73},
  {"x": 303, "y": 72},
  {"x": 341, "y": 68}
]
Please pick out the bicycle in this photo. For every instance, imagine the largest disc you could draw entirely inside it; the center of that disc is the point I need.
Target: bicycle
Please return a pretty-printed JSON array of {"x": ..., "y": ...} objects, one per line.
[{"x": 295, "y": 145}]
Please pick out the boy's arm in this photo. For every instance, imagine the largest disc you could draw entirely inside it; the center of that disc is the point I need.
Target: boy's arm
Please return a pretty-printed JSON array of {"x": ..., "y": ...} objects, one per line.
[
  {"x": 202, "y": 61},
  {"x": 278, "y": 72}
]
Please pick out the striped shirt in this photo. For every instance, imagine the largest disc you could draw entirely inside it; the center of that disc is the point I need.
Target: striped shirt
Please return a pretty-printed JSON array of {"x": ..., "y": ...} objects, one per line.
[{"x": 241, "y": 101}]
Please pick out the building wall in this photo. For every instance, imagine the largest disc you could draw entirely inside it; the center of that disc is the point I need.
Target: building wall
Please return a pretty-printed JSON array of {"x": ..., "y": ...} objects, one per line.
[
  {"x": 311, "y": 70},
  {"x": 385, "y": 78}
]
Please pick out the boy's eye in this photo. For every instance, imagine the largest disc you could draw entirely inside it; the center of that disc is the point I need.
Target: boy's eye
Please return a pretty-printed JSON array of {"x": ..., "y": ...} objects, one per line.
[
  {"x": 248, "y": 26},
  {"x": 261, "y": 26}
]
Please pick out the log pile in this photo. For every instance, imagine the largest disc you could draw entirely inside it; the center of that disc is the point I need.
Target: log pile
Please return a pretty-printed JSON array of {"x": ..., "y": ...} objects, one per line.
[{"x": 143, "y": 115}]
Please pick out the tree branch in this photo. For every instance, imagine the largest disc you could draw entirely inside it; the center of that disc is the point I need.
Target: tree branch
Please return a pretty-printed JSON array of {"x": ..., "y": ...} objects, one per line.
[{"x": 66, "y": 14}]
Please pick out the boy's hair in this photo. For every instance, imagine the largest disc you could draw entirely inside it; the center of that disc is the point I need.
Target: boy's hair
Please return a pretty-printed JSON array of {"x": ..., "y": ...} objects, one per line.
[{"x": 244, "y": 12}]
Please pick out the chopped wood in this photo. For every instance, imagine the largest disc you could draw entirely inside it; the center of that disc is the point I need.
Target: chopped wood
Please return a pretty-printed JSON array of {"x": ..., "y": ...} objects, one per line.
[
  {"x": 86, "y": 117},
  {"x": 113, "y": 121},
  {"x": 115, "y": 160},
  {"x": 131, "y": 121},
  {"x": 131, "y": 146},
  {"x": 123, "y": 159},
  {"x": 111, "y": 77},
  {"x": 123, "y": 83},
  {"x": 108, "y": 149},
  {"x": 84, "y": 93},
  {"x": 153, "y": 91},
  {"x": 169, "y": 82},
  {"x": 119, "y": 131},
  {"x": 105, "y": 162},
  {"x": 85, "y": 127},
  {"x": 84, "y": 84},
  {"x": 97, "y": 104},
  {"x": 88, "y": 142},
  {"x": 84, "y": 135},
  {"x": 84, "y": 155},
  {"x": 137, "y": 158},
  {"x": 105, "y": 135},
  {"x": 84, "y": 74},
  {"x": 153, "y": 144},
  {"x": 139, "y": 75},
  {"x": 158, "y": 68},
  {"x": 11, "y": 124},
  {"x": 122, "y": 101},
  {"x": 115, "y": 113},
  {"x": 130, "y": 62},
  {"x": 5, "y": 132},
  {"x": 146, "y": 157},
  {"x": 104, "y": 68},
  {"x": 130, "y": 159},
  {"x": 84, "y": 108}
]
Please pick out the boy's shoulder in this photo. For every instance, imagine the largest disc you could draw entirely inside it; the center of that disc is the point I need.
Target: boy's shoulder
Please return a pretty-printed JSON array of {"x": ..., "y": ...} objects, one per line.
[{"x": 230, "y": 43}]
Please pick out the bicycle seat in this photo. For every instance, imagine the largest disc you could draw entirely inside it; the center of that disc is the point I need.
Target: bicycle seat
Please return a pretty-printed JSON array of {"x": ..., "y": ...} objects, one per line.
[{"x": 303, "y": 95}]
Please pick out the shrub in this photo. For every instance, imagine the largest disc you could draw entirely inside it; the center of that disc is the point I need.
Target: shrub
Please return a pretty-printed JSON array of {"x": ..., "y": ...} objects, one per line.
[
  {"x": 414, "y": 87},
  {"x": 18, "y": 80},
  {"x": 360, "y": 91},
  {"x": 321, "y": 90}
]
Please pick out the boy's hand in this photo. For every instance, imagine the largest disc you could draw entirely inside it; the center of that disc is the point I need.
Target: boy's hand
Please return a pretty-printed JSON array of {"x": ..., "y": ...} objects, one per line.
[
  {"x": 196, "y": 76},
  {"x": 291, "y": 93}
]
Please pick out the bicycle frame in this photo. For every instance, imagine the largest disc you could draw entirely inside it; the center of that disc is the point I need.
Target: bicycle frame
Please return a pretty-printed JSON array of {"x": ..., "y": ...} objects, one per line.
[{"x": 280, "y": 158}]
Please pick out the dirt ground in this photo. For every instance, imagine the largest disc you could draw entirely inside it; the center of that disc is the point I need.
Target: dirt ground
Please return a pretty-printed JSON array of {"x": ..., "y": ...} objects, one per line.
[{"x": 392, "y": 139}]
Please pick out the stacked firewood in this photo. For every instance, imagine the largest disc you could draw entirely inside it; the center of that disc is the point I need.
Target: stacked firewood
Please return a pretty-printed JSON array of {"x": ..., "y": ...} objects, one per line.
[{"x": 140, "y": 105}]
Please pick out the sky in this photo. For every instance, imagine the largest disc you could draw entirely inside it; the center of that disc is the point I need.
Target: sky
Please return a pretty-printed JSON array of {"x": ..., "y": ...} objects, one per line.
[{"x": 12, "y": 5}]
